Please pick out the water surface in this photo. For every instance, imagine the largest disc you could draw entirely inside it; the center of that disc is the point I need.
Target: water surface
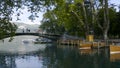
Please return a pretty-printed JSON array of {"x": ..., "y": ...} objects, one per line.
[{"x": 16, "y": 54}]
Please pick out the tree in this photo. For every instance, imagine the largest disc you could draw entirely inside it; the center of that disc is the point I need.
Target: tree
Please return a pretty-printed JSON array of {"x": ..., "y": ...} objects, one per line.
[
  {"x": 112, "y": 18},
  {"x": 103, "y": 4},
  {"x": 114, "y": 24},
  {"x": 74, "y": 14},
  {"x": 8, "y": 7},
  {"x": 50, "y": 25},
  {"x": 7, "y": 28}
]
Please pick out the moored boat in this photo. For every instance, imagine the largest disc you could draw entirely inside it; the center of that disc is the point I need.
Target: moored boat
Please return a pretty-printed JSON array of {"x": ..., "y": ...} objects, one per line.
[
  {"x": 27, "y": 41},
  {"x": 42, "y": 41}
]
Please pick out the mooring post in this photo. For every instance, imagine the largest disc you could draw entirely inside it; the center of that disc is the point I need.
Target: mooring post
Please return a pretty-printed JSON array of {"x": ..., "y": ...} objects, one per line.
[{"x": 98, "y": 47}]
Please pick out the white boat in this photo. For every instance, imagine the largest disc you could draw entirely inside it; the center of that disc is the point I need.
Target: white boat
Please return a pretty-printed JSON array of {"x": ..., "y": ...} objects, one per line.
[
  {"x": 24, "y": 41},
  {"x": 42, "y": 40},
  {"x": 27, "y": 41}
]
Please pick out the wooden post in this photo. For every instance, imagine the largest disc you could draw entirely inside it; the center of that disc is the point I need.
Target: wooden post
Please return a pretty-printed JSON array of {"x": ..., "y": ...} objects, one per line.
[
  {"x": 98, "y": 47},
  {"x": 77, "y": 42}
]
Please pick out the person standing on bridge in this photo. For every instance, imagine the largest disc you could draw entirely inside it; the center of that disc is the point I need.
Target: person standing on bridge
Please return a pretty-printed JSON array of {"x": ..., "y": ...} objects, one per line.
[
  {"x": 23, "y": 30},
  {"x": 27, "y": 30}
]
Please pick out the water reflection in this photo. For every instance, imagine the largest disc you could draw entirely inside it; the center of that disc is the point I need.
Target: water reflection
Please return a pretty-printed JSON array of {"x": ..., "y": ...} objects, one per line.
[
  {"x": 60, "y": 57},
  {"x": 67, "y": 57},
  {"x": 18, "y": 61}
]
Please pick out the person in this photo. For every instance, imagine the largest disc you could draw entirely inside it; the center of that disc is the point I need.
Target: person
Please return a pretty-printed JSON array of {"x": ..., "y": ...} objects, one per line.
[
  {"x": 23, "y": 30},
  {"x": 27, "y": 30}
]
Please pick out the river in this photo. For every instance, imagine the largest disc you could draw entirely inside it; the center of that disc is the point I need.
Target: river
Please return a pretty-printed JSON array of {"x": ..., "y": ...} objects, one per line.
[{"x": 17, "y": 54}]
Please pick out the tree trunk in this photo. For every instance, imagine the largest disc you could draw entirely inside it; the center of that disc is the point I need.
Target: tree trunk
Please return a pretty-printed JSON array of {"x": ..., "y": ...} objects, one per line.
[
  {"x": 105, "y": 34},
  {"x": 106, "y": 21},
  {"x": 86, "y": 27},
  {"x": 92, "y": 11}
]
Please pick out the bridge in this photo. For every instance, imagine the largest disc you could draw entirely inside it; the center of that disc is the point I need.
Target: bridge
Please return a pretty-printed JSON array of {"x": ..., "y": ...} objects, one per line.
[
  {"x": 49, "y": 36},
  {"x": 34, "y": 34}
]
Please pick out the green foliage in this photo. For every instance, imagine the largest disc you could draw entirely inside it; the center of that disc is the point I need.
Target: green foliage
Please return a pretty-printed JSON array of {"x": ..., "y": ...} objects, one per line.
[
  {"x": 7, "y": 28},
  {"x": 72, "y": 16},
  {"x": 79, "y": 1},
  {"x": 112, "y": 15},
  {"x": 49, "y": 23},
  {"x": 114, "y": 25}
]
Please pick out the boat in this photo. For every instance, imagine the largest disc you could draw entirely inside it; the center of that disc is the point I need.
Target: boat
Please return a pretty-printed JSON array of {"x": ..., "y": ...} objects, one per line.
[
  {"x": 42, "y": 41},
  {"x": 27, "y": 41}
]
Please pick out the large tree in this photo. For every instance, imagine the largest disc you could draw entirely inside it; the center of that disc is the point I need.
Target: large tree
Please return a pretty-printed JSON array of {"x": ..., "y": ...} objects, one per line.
[
  {"x": 74, "y": 14},
  {"x": 8, "y": 7},
  {"x": 104, "y": 26},
  {"x": 50, "y": 25}
]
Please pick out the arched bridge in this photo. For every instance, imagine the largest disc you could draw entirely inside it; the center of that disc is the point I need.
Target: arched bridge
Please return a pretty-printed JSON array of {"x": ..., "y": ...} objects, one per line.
[
  {"x": 34, "y": 34},
  {"x": 49, "y": 36}
]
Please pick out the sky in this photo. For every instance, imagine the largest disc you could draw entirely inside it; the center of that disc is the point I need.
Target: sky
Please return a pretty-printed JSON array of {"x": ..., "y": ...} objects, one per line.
[
  {"x": 24, "y": 17},
  {"x": 116, "y": 2}
]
